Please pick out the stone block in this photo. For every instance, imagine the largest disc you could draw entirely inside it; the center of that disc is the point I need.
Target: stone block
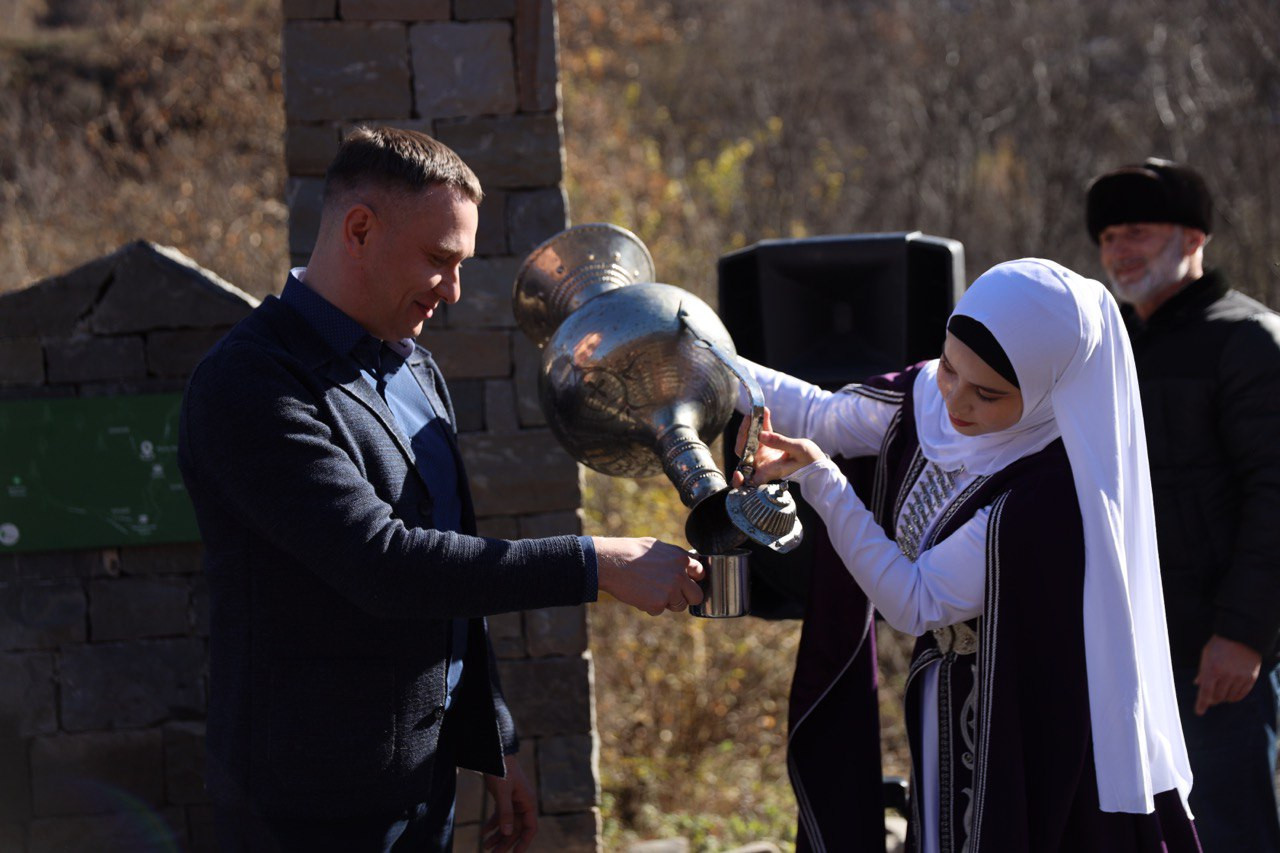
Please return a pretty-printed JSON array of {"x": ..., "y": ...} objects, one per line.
[
  {"x": 154, "y": 829},
  {"x": 27, "y": 694},
  {"x": 395, "y": 10},
  {"x": 110, "y": 564},
  {"x": 469, "y": 803},
  {"x": 537, "y": 69},
  {"x": 53, "y": 307},
  {"x": 130, "y": 608},
  {"x": 124, "y": 388},
  {"x": 470, "y": 353},
  {"x": 43, "y": 392},
  {"x": 556, "y": 631},
  {"x": 337, "y": 70},
  {"x": 500, "y": 406},
  {"x": 171, "y": 353},
  {"x": 570, "y": 833},
  {"x": 491, "y": 234},
  {"x": 422, "y": 125},
  {"x": 567, "y": 774},
  {"x": 533, "y": 216},
  {"x": 506, "y": 633},
  {"x": 477, "y": 10},
  {"x": 548, "y": 696},
  {"x": 468, "y": 403},
  {"x": 305, "y": 197},
  {"x": 50, "y": 565},
  {"x": 551, "y": 524},
  {"x": 202, "y": 837},
  {"x": 528, "y": 367},
  {"x": 179, "y": 559},
  {"x": 479, "y": 76},
  {"x": 310, "y": 9},
  {"x": 96, "y": 359},
  {"x": 498, "y": 527},
  {"x": 521, "y": 472},
  {"x": 21, "y": 361},
  {"x": 128, "y": 685},
  {"x": 509, "y": 152},
  {"x": 486, "y": 294},
  {"x": 309, "y": 148},
  {"x": 184, "y": 763},
  {"x": 97, "y": 772},
  {"x": 15, "y": 775},
  {"x": 157, "y": 287},
  {"x": 13, "y": 836},
  {"x": 41, "y": 614}
]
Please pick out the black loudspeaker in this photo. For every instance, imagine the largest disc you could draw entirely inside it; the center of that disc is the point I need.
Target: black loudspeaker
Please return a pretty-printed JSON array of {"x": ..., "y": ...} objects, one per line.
[
  {"x": 835, "y": 310},
  {"x": 831, "y": 311}
]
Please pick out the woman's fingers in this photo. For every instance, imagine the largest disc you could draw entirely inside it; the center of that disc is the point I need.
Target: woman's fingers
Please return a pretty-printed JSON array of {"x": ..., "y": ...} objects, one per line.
[{"x": 785, "y": 456}]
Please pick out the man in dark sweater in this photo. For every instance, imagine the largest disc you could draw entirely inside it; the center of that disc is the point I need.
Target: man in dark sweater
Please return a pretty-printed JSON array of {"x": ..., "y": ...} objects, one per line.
[
  {"x": 350, "y": 666},
  {"x": 1208, "y": 361}
]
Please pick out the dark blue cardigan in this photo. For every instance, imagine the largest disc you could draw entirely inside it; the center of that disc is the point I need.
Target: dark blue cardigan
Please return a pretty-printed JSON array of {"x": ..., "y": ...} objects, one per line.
[{"x": 331, "y": 597}]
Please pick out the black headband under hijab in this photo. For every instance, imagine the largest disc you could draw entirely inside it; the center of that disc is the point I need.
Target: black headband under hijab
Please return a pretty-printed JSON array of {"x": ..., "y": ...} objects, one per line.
[{"x": 978, "y": 338}]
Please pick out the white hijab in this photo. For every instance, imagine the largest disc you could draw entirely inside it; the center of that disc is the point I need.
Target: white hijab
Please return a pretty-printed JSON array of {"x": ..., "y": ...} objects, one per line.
[{"x": 1067, "y": 343}]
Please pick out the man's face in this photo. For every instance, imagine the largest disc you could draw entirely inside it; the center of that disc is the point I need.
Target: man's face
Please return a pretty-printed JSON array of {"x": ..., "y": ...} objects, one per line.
[
  {"x": 414, "y": 261},
  {"x": 1143, "y": 259}
]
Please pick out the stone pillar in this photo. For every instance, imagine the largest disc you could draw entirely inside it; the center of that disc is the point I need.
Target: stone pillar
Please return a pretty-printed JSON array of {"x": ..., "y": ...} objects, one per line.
[
  {"x": 103, "y": 653},
  {"x": 481, "y": 76}
]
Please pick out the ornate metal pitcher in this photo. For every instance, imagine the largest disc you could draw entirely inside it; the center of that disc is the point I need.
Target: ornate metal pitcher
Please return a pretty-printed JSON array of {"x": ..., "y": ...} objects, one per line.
[{"x": 638, "y": 377}]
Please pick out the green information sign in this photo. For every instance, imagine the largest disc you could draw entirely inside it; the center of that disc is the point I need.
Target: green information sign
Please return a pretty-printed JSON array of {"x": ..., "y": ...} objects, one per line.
[{"x": 92, "y": 473}]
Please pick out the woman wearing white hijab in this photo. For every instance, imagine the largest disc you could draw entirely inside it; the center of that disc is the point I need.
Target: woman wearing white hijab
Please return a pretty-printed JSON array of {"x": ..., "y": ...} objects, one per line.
[{"x": 1012, "y": 480}]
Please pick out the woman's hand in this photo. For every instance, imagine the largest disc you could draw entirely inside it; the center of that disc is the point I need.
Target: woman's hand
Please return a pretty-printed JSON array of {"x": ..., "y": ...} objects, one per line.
[{"x": 778, "y": 456}]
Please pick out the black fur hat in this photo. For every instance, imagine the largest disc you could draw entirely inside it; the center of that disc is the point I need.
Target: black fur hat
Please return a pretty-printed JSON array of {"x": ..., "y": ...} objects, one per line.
[{"x": 1155, "y": 191}]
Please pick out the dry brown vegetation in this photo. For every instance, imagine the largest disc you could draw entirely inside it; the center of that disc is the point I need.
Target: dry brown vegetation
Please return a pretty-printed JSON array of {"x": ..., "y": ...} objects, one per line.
[
  {"x": 157, "y": 120},
  {"x": 704, "y": 126}
]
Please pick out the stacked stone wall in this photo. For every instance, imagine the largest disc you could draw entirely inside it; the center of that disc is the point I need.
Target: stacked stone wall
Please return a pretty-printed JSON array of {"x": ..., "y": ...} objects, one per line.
[
  {"x": 482, "y": 77},
  {"x": 103, "y": 652}
]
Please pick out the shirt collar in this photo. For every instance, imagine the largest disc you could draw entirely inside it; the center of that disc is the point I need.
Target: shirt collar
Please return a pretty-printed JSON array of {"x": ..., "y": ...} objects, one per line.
[{"x": 338, "y": 329}]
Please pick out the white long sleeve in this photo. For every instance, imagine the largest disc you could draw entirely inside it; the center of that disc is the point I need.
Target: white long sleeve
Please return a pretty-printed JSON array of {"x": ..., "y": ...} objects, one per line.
[
  {"x": 942, "y": 587},
  {"x": 843, "y": 424}
]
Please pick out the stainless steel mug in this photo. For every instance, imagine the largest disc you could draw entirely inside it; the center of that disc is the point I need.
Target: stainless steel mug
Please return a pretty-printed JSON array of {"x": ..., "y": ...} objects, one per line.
[{"x": 726, "y": 585}]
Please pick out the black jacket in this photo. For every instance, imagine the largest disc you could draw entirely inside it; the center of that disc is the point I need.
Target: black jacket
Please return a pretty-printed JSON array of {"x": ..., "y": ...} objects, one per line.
[
  {"x": 332, "y": 599},
  {"x": 1209, "y": 368}
]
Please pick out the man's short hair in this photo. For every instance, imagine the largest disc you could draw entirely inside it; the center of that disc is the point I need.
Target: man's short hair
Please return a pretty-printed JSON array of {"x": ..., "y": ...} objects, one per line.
[
  {"x": 1153, "y": 191},
  {"x": 396, "y": 160}
]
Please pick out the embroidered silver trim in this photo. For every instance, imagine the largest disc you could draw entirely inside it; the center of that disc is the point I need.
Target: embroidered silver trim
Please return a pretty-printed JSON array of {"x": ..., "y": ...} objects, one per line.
[
  {"x": 958, "y": 638},
  {"x": 930, "y": 492}
]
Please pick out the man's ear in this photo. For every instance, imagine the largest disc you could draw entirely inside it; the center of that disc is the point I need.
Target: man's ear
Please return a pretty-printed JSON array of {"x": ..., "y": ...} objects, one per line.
[
  {"x": 357, "y": 224},
  {"x": 1193, "y": 239}
]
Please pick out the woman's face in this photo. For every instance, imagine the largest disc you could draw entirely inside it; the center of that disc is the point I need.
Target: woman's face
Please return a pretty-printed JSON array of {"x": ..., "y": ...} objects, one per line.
[{"x": 978, "y": 399}]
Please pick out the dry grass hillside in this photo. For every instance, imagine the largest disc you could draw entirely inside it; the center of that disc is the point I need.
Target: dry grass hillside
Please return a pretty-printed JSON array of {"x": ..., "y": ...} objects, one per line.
[{"x": 122, "y": 119}]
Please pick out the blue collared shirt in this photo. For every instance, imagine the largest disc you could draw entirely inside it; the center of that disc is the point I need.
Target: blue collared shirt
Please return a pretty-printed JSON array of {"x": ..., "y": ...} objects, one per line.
[
  {"x": 418, "y": 411},
  {"x": 420, "y": 414}
]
